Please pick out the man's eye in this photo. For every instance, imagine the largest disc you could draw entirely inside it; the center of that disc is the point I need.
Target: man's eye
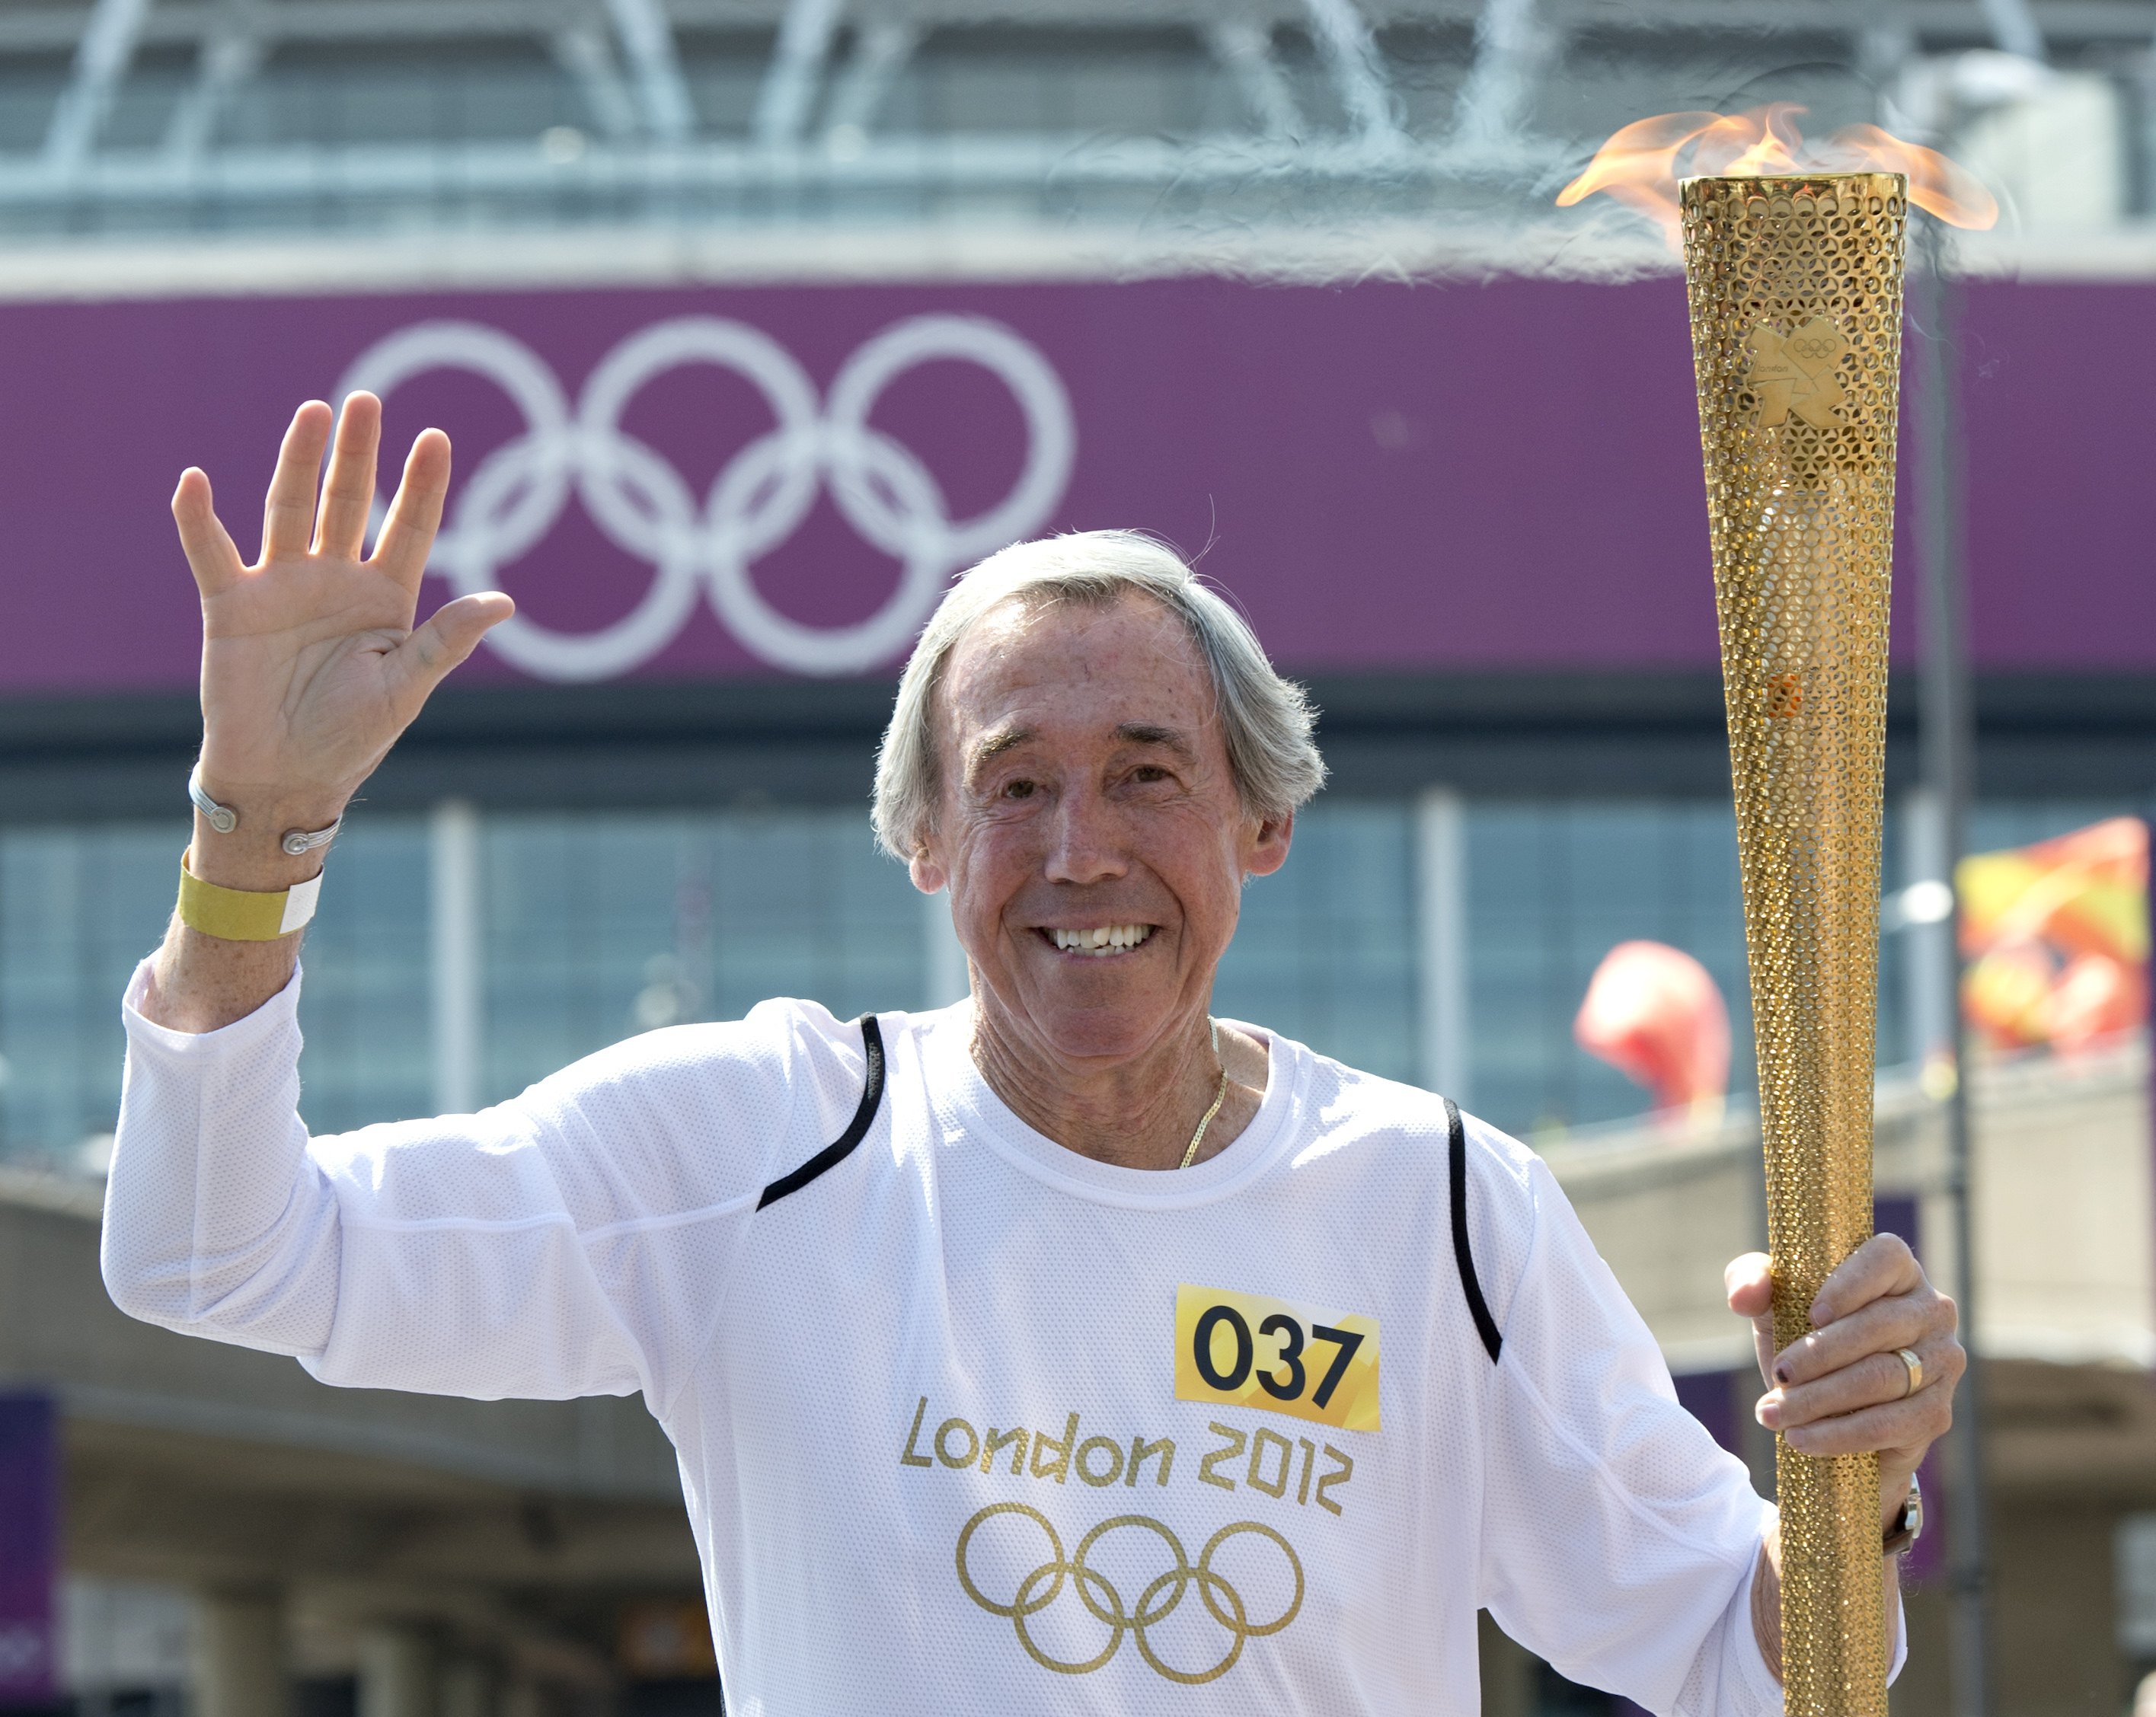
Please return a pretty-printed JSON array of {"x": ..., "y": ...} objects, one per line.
[
  {"x": 1148, "y": 772},
  {"x": 1018, "y": 790}
]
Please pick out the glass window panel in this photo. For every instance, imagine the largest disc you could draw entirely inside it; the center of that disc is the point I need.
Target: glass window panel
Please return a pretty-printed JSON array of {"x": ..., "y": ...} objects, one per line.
[
  {"x": 599, "y": 927},
  {"x": 79, "y": 907},
  {"x": 1552, "y": 887},
  {"x": 1326, "y": 950},
  {"x": 365, "y": 1005}
]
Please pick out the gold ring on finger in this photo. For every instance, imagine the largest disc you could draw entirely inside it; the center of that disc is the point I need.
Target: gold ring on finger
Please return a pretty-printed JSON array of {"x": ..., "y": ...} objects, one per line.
[{"x": 1915, "y": 1368}]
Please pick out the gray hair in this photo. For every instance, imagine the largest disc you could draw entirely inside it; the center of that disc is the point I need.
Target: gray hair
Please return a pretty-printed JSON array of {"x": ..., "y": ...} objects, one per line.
[{"x": 1266, "y": 720}]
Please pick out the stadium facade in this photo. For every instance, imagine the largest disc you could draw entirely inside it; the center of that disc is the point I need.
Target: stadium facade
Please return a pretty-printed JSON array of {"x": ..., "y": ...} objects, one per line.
[{"x": 1466, "y": 515}]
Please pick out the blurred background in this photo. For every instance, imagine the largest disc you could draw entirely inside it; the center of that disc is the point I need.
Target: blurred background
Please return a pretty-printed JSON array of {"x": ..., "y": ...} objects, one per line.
[{"x": 754, "y": 321}]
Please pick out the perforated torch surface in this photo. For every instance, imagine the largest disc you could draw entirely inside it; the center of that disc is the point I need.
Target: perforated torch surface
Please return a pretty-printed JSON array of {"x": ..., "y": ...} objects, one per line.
[{"x": 1795, "y": 288}]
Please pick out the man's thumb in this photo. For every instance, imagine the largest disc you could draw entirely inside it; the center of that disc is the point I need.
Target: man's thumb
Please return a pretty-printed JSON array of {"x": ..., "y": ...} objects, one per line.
[
  {"x": 451, "y": 634},
  {"x": 1750, "y": 1282}
]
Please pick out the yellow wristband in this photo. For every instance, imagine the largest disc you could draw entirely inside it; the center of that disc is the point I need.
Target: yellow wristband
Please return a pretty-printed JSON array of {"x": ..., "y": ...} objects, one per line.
[{"x": 242, "y": 914}]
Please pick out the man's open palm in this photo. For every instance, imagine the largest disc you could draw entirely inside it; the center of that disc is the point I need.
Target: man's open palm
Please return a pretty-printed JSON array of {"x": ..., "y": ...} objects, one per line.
[{"x": 311, "y": 667}]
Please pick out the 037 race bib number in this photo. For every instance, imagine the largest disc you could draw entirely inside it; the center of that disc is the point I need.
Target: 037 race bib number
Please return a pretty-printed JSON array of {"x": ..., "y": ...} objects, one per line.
[{"x": 1246, "y": 1349}]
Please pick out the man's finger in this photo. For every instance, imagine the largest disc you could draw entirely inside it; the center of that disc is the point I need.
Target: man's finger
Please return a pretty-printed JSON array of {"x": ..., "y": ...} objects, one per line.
[
  {"x": 1902, "y": 1320},
  {"x": 212, "y": 554},
  {"x": 424, "y": 660},
  {"x": 288, "y": 515},
  {"x": 348, "y": 491},
  {"x": 1882, "y": 1265},
  {"x": 408, "y": 535},
  {"x": 1874, "y": 1381},
  {"x": 1909, "y": 1424}
]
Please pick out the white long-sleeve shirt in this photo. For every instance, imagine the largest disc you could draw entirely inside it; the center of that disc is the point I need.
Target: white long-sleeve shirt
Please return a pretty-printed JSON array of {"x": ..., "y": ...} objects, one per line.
[{"x": 971, "y": 1423}]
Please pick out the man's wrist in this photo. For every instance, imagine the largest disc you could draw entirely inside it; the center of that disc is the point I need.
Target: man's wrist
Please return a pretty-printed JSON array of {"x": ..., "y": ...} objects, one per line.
[
  {"x": 256, "y": 866},
  {"x": 1906, "y": 1523},
  {"x": 250, "y": 855},
  {"x": 1894, "y": 1484},
  {"x": 1767, "y": 1599}
]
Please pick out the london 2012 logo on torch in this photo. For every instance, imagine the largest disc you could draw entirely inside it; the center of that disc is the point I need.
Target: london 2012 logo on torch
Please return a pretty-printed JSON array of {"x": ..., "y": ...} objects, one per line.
[{"x": 710, "y": 545}]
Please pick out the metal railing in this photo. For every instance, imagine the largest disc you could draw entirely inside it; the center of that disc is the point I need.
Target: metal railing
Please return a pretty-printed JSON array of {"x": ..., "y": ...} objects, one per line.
[{"x": 156, "y": 113}]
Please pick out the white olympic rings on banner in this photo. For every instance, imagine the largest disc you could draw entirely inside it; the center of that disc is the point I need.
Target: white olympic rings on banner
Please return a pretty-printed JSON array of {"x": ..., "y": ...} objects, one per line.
[{"x": 645, "y": 506}]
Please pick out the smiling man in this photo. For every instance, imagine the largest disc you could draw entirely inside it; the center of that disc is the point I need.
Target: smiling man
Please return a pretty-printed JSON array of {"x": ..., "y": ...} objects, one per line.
[{"x": 1068, "y": 1350}]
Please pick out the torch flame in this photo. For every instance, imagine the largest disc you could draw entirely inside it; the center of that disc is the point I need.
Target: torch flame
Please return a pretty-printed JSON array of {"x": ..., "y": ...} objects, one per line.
[{"x": 1638, "y": 166}]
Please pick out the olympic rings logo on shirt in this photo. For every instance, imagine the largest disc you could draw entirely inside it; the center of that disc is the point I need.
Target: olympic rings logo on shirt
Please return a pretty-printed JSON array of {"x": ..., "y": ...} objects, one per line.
[
  {"x": 1044, "y": 1586},
  {"x": 645, "y": 506}
]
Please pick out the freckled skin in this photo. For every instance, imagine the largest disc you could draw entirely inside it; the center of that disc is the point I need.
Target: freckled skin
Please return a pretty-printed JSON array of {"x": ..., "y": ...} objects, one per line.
[{"x": 1086, "y": 783}]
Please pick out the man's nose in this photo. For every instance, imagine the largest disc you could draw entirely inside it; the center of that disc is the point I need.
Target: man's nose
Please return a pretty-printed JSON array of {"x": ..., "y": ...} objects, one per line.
[{"x": 1086, "y": 845}]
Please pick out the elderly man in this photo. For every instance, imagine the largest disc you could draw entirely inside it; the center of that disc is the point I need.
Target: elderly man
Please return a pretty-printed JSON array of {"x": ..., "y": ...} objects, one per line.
[{"x": 1065, "y": 1350}]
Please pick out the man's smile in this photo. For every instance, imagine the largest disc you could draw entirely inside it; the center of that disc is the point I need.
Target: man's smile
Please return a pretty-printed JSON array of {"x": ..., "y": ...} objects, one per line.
[{"x": 1100, "y": 942}]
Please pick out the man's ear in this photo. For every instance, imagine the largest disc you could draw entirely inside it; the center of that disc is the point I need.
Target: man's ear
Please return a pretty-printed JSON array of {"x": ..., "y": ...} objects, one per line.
[
  {"x": 1268, "y": 847},
  {"x": 927, "y": 872}
]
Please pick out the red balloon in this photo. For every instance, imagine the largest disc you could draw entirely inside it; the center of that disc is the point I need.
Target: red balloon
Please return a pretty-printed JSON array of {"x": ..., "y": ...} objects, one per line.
[{"x": 1655, "y": 1014}]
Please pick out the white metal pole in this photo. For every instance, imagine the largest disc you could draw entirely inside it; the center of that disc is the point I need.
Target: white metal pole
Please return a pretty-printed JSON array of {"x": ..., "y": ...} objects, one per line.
[
  {"x": 459, "y": 972},
  {"x": 1947, "y": 732},
  {"x": 1441, "y": 855},
  {"x": 1926, "y": 963}
]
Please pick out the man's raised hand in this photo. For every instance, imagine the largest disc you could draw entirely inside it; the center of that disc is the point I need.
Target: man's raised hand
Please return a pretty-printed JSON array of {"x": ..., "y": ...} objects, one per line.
[{"x": 311, "y": 667}]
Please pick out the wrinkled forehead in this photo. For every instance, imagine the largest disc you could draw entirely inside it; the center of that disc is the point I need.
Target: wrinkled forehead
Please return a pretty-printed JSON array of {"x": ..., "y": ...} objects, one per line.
[{"x": 1076, "y": 666}]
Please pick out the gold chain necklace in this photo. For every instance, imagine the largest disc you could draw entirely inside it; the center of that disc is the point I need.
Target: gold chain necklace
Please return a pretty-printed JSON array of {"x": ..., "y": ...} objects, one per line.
[{"x": 1219, "y": 1097}]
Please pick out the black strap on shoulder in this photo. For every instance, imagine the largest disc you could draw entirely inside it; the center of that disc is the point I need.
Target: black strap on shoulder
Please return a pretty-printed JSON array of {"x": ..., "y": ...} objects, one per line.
[
  {"x": 1463, "y": 1251},
  {"x": 837, "y": 1152}
]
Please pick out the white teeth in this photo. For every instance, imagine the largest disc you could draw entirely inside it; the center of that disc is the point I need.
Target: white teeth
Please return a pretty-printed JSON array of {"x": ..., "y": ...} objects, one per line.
[{"x": 1107, "y": 939}]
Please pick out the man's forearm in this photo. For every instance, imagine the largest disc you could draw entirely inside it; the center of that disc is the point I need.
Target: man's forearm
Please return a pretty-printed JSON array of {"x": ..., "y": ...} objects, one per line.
[{"x": 199, "y": 983}]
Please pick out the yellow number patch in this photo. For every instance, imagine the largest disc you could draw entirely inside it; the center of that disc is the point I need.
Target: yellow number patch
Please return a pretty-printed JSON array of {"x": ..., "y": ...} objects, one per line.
[{"x": 1247, "y": 1350}]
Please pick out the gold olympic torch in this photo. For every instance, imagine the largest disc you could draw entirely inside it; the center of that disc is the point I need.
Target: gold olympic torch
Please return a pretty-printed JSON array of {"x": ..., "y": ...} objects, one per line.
[
  {"x": 1795, "y": 283},
  {"x": 1795, "y": 287}
]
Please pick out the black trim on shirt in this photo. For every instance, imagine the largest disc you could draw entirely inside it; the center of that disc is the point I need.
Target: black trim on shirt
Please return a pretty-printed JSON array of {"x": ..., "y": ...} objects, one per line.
[
  {"x": 1463, "y": 1251},
  {"x": 836, "y": 1152}
]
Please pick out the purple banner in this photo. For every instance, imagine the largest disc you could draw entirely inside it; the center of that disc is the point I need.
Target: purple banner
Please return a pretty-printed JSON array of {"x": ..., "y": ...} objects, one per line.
[
  {"x": 694, "y": 483},
  {"x": 29, "y": 1550}
]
